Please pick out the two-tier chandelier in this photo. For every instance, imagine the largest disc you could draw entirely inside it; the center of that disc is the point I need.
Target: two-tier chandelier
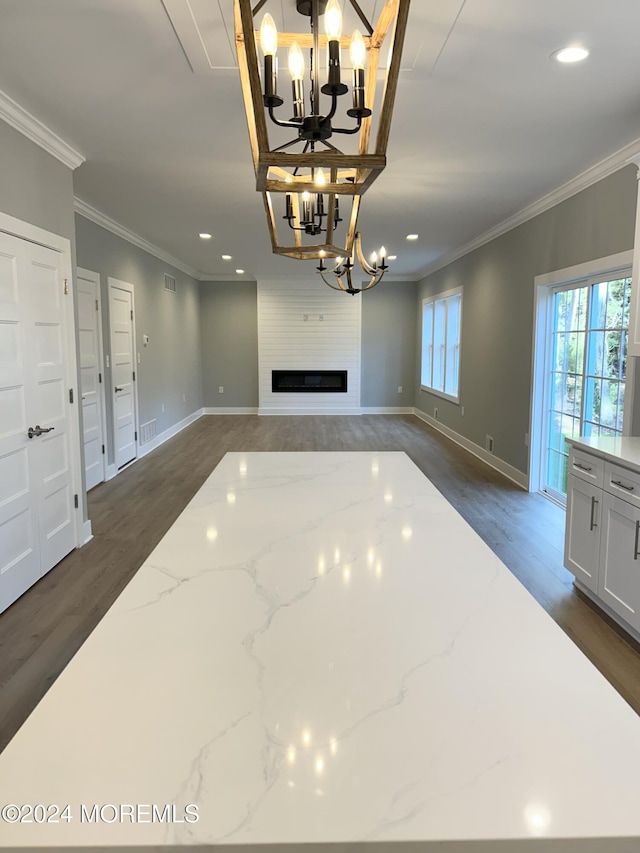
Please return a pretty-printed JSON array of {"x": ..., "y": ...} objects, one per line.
[{"x": 306, "y": 179}]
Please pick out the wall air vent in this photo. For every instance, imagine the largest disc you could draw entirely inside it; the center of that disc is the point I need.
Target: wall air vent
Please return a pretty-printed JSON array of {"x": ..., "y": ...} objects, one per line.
[
  {"x": 169, "y": 283},
  {"x": 147, "y": 431}
]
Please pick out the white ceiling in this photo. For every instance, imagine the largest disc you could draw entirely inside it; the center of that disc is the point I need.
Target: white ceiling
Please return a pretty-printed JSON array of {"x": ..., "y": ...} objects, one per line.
[{"x": 484, "y": 124}]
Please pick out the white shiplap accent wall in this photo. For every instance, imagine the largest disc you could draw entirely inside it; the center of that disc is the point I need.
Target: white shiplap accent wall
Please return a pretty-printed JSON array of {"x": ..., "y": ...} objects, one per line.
[{"x": 286, "y": 341}]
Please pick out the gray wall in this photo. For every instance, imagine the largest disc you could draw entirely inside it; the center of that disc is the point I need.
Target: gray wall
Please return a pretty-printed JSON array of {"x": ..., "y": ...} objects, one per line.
[
  {"x": 229, "y": 330},
  {"x": 170, "y": 365},
  {"x": 388, "y": 344},
  {"x": 498, "y": 308},
  {"x": 34, "y": 186}
]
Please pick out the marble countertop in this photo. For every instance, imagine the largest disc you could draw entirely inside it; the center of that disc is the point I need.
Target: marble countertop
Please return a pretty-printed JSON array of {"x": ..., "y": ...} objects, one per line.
[
  {"x": 624, "y": 450},
  {"x": 322, "y": 652}
]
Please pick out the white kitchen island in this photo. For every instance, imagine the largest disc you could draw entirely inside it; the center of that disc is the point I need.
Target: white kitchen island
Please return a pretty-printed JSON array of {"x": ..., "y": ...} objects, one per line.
[{"x": 321, "y": 652}]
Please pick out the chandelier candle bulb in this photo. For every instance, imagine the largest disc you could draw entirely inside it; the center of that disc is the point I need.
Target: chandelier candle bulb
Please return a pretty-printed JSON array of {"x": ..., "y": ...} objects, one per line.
[
  {"x": 336, "y": 213},
  {"x": 306, "y": 209},
  {"x": 269, "y": 45},
  {"x": 296, "y": 69},
  {"x": 333, "y": 30},
  {"x": 358, "y": 53},
  {"x": 289, "y": 204}
]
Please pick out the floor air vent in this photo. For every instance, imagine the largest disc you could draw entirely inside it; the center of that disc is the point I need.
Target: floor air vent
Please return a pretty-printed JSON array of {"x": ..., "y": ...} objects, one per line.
[{"x": 147, "y": 431}]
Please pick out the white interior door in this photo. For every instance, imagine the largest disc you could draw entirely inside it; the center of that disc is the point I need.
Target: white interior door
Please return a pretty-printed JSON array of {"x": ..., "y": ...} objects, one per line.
[
  {"x": 37, "y": 526},
  {"x": 90, "y": 339},
  {"x": 122, "y": 371}
]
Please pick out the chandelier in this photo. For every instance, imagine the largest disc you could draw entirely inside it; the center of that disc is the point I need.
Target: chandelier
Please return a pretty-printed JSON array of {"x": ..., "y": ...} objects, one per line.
[
  {"x": 309, "y": 185},
  {"x": 344, "y": 266}
]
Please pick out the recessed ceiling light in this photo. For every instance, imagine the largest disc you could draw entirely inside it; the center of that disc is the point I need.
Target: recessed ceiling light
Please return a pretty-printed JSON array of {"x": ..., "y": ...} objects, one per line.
[
  {"x": 575, "y": 53},
  {"x": 204, "y": 236},
  {"x": 412, "y": 236},
  {"x": 240, "y": 272},
  {"x": 392, "y": 258},
  {"x": 226, "y": 257}
]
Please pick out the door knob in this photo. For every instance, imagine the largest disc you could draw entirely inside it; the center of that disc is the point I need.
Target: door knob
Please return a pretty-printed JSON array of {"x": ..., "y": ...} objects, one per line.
[
  {"x": 118, "y": 389},
  {"x": 38, "y": 430}
]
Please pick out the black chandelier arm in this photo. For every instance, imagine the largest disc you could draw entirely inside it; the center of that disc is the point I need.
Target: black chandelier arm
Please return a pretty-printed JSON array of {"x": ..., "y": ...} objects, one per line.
[
  {"x": 351, "y": 130},
  {"x": 281, "y": 123},
  {"x": 334, "y": 107}
]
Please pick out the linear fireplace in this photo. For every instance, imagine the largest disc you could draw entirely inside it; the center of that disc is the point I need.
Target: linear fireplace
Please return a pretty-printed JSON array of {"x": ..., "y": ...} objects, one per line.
[{"x": 309, "y": 380}]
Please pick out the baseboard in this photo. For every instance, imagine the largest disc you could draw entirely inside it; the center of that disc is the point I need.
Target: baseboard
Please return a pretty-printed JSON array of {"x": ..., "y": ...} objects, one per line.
[
  {"x": 86, "y": 533},
  {"x": 387, "y": 410},
  {"x": 230, "y": 410},
  {"x": 494, "y": 462},
  {"x": 150, "y": 446},
  {"x": 315, "y": 412},
  {"x": 111, "y": 473}
]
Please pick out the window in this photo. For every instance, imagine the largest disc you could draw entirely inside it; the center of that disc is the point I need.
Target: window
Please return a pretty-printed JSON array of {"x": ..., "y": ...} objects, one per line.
[
  {"x": 586, "y": 383},
  {"x": 441, "y": 326}
]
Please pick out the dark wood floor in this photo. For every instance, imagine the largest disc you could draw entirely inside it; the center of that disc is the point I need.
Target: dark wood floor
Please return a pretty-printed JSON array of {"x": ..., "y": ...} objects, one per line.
[{"x": 41, "y": 632}]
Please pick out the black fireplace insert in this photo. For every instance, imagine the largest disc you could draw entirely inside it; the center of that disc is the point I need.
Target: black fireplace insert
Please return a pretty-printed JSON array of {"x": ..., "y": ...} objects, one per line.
[{"x": 309, "y": 380}]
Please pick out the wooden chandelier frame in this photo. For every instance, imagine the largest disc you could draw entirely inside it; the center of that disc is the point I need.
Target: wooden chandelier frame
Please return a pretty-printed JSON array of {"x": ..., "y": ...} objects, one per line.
[{"x": 350, "y": 175}]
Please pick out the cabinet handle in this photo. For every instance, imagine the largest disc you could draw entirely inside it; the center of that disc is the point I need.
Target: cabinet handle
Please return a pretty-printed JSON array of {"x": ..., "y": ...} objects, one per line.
[
  {"x": 592, "y": 523},
  {"x": 622, "y": 485},
  {"x": 635, "y": 546},
  {"x": 582, "y": 467}
]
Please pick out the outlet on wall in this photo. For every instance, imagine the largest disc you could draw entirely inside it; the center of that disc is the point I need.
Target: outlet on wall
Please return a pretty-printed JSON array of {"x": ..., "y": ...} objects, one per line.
[
  {"x": 220, "y": 389},
  {"x": 435, "y": 412},
  {"x": 163, "y": 407},
  {"x": 184, "y": 398},
  {"x": 399, "y": 389},
  {"x": 462, "y": 411},
  {"x": 489, "y": 443}
]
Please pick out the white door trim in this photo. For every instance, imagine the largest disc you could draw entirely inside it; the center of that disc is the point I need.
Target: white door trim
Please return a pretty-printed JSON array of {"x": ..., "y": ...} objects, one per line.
[
  {"x": 124, "y": 285},
  {"x": 542, "y": 285},
  {"x": 95, "y": 277},
  {"x": 34, "y": 234}
]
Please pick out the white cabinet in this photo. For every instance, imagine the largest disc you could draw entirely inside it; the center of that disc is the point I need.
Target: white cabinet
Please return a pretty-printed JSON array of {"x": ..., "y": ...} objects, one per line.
[
  {"x": 582, "y": 540},
  {"x": 619, "y": 573},
  {"x": 602, "y": 537}
]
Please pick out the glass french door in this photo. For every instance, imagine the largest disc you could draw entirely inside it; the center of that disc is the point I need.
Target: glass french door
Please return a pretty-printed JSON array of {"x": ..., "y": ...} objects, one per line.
[{"x": 589, "y": 325}]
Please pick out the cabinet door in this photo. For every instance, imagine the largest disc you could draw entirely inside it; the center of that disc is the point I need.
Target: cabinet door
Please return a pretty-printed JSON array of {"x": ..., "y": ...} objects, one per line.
[
  {"x": 619, "y": 578},
  {"x": 582, "y": 534}
]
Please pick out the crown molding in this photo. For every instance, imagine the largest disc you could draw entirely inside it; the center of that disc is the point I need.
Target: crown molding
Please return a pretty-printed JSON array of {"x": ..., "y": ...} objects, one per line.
[
  {"x": 94, "y": 215},
  {"x": 229, "y": 278},
  {"x": 623, "y": 157},
  {"x": 13, "y": 114}
]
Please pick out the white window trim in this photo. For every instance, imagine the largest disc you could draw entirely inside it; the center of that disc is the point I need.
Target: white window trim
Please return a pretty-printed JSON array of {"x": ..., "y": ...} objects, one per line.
[{"x": 433, "y": 299}]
